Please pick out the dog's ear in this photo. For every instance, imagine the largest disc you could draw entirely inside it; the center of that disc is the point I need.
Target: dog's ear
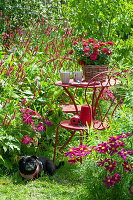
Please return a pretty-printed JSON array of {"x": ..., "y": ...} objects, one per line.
[
  {"x": 35, "y": 157},
  {"x": 21, "y": 159}
]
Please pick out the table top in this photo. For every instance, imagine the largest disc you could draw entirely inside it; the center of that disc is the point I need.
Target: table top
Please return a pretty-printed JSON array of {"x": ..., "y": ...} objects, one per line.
[{"x": 84, "y": 84}]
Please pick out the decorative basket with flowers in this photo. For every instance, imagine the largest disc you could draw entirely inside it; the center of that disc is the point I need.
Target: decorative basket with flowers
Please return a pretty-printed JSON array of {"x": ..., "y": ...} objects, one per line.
[{"x": 92, "y": 55}]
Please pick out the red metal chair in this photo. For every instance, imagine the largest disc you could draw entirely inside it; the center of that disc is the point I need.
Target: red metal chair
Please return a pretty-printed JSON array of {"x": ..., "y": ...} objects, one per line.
[{"x": 108, "y": 86}]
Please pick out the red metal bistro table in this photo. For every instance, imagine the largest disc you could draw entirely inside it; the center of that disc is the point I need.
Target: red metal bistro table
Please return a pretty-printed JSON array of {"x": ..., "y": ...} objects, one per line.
[{"x": 97, "y": 84}]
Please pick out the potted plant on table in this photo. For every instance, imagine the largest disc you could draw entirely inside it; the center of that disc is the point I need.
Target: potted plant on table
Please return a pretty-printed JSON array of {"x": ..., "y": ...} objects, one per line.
[{"x": 92, "y": 55}]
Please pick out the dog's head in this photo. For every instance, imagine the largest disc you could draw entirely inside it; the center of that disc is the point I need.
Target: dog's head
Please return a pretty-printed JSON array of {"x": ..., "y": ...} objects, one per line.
[{"x": 28, "y": 164}]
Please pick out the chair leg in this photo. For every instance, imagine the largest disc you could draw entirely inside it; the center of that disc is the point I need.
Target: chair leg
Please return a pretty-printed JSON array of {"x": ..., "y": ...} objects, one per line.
[{"x": 68, "y": 141}]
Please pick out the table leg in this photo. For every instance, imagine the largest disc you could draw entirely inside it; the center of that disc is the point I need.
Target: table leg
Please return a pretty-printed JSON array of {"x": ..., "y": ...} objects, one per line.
[{"x": 76, "y": 108}]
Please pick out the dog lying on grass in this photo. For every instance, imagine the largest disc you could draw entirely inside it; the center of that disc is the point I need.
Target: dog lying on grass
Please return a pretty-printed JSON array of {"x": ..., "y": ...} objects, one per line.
[{"x": 31, "y": 167}]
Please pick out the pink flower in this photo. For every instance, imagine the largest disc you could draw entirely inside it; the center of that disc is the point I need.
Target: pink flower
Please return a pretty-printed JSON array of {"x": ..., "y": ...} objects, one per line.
[
  {"x": 41, "y": 127},
  {"x": 86, "y": 49},
  {"x": 87, "y": 54},
  {"x": 93, "y": 56},
  {"x": 81, "y": 62},
  {"x": 26, "y": 139},
  {"x": 102, "y": 43},
  {"x": 105, "y": 50},
  {"x": 75, "y": 42},
  {"x": 91, "y": 40},
  {"x": 110, "y": 43},
  {"x": 95, "y": 52},
  {"x": 97, "y": 47},
  {"x": 70, "y": 52},
  {"x": 85, "y": 43}
]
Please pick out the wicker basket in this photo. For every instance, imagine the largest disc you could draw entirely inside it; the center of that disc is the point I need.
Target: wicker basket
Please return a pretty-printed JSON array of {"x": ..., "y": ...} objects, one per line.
[{"x": 89, "y": 71}]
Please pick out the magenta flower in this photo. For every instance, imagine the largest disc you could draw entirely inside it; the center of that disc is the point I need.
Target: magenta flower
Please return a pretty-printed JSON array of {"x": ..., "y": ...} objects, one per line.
[
  {"x": 123, "y": 135},
  {"x": 93, "y": 56},
  {"x": 102, "y": 162},
  {"x": 125, "y": 153},
  {"x": 113, "y": 148},
  {"x": 81, "y": 62},
  {"x": 120, "y": 143},
  {"x": 27, "y": 119},
  {"x": 86, "y": 49},
  {"x": 97, "y": 47},
  {"x": 131, "y": 190},
  {"x": 72, "y": 152},
  {"x": 112, "y": 139},
  {"x": 102, "y": 148},
  {"x": 126, "y": 166},
  {"x": 108, "y": 181},
  {"x": 105, "y": 50},
  {"x": 116, "y": 178},
  {"x": 110, "y": 43},
  {"x": 26, "y": 139},
  {"x": 47, "y": 121},
  {"x": 111, "y": 166},
  {"x": 87, "y": 54},
  {"x": 70, "y": 52},
  {"x": 73, "y": 160},
  {"x": 41, "y": 127}
]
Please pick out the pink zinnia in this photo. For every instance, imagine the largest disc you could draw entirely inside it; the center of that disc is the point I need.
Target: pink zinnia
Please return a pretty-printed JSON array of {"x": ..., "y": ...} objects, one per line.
[
  {"x": 97, "y": 47},
  {"x": 86, "y": 49},
  {"x": 81, "y": 62},
  {"x": 91, "y": 40},
  {"x": 105, "y": 50},
  {"x": 93, "y": 56},
  {"x": 70, "y": 52},
  {"x": 110, "y": 43}
]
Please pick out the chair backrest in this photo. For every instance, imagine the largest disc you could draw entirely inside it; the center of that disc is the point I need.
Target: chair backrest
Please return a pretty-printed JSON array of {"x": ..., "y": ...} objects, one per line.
[{"x": 108, "y": 92}]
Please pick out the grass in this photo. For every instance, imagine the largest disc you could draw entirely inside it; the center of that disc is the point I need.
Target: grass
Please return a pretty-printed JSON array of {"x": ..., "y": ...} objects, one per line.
[{"x": 65, "y": 184}]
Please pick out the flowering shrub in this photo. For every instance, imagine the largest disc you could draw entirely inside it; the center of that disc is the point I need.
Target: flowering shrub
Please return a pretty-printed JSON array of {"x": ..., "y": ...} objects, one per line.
[
  {"x": 29, "y": 119},
  {"x": 92, "y": 52},
  {"x": 112, "y": 155}
]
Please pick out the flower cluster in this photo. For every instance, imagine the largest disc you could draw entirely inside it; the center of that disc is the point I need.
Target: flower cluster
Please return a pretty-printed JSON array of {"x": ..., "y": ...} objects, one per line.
[
  {"x": 75, "y": 153},
  {"x": 29, "y": 118},
  {"x": 113, "y": 157},
  {"x": 92, "y": 52},
  {"x": 107, "y": 94}
]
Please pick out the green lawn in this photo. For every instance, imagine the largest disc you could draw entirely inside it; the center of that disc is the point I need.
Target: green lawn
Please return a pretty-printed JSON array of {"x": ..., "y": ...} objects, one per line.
[{"x": 65, "y": 184}]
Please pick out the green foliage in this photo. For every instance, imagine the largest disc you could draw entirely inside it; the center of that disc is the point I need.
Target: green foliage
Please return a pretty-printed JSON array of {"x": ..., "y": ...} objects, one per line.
[
  {"x": 19, "y": 13},
  {"x": 101, "y": 19}
]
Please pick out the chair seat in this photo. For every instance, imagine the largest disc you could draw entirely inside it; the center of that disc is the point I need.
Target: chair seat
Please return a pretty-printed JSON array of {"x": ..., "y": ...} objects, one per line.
[
  {"x": 70, "y": 108},
  {"x": 96, "y": 125}
]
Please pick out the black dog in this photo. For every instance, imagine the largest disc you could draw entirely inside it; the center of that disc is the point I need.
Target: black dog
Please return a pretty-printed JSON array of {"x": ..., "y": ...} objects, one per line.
[{"x": 32, "y": 166}]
